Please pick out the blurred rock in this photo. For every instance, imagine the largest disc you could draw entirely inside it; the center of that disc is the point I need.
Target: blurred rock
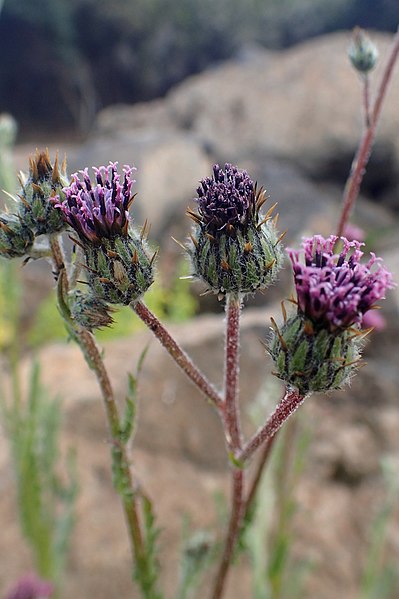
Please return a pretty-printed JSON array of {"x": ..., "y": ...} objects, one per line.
[
  {"x": 169, "y": 164},
  {"x": 302, "y": 105}
]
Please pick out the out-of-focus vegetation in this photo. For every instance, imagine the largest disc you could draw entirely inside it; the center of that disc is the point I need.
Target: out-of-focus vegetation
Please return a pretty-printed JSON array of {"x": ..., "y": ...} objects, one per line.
[
  {"x": 62, "y": 61},
  {"x": 174, "y": 304},
  {"x": 46, "y": 484}
]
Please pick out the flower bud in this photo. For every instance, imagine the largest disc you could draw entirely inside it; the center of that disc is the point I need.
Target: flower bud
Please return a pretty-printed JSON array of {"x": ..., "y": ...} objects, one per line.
[
  {"x": 44, "y": 182},
  {"x": 89, "y": 311},
  {"x": 117, "y": 260},
  {"x": 15, "y": 237},
  {"x": 233, "y": 248},
  {"x": 362, "y": 52}
]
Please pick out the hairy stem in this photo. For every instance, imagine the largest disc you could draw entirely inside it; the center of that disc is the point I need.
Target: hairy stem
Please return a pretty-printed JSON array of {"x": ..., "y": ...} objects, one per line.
[
  {"x": 94, "y": 360},
  {"x": 237, "y": 513},
  {"x": 231, "y": 373},
  {"x": 287, "y": 406},
  {"x": 177, "y": 353},
  {"x": 93, "y": 357},
  {"x": 362, "y": 155},
  {"x": 232, "y": 426},
  {"x": 260, "y": 468}
]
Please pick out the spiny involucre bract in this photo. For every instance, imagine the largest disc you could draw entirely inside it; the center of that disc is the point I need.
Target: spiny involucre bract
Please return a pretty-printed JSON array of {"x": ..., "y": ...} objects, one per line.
[
  {"x": 234, "y": 248},
  {"x": 319, "y": 347},
  {"x": 15, "y": 237},
  {"x": 117, "y": 261}
]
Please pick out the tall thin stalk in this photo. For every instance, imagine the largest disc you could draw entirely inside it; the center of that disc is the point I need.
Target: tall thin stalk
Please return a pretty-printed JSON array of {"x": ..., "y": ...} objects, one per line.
[
  {"x": 94, "y": 360},
  {"x": 232, "y": 425},
  {"x": 362, "y": 155}
]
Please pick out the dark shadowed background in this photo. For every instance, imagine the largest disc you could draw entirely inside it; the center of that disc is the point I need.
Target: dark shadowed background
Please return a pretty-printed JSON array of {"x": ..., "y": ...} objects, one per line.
[{"x": 62, "y": 61}]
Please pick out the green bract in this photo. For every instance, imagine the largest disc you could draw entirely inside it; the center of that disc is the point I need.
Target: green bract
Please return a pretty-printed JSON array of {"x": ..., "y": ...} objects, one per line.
[
  {"x": 242, "y": 262},
  {"x": 15, "y": 237},
  {"x": 314, "y": 360},
  {"x": 234, "y": 248},
  {"x": 120, "y": 269}
]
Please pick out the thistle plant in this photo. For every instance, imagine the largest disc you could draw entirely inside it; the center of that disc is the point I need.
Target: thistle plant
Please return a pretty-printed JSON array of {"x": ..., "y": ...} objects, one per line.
[{"x": 235, "y": 250}]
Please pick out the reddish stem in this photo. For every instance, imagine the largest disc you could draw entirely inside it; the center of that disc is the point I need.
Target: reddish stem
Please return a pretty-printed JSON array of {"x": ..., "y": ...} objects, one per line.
[
  {"x": 93, "y": 357},
  {"x": 362, "y": 155},
  {"x": 232, "y": 533},
  {"x": 231, "y": 420},
  {"x": 177, "y": 353},
  {"x": 366, "y": 99},
  {"x": 287, "y": 406},
  {"x": 260, "y": 468},
  {"x": 231, "y": 373}
]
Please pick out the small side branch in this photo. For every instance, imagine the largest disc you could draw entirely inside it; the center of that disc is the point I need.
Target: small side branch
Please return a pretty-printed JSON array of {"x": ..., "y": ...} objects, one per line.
[
  {"x": 232, "y": 533},
  {"x": 177, "y": 353},
  {"x": 287, "y": 406}
]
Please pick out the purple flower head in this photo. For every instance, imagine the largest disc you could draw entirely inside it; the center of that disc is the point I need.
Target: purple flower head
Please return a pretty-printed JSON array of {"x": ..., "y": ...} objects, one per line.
[
  {"x": 226, "y": 200},
  {"x": 101, "y": 208},
  {"x": 337, "y": 289},
  {"x": 31, "y": 587}
]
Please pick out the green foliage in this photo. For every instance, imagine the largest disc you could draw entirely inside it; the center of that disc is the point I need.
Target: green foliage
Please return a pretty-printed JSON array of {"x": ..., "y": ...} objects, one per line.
[
  {"x": 146, "y": 568},
  {"x": 10, "y": 292},
  {"x": 380, "y": 578},
  {"x": 31, "y": 421},
  {"x": 198, "y": 553},
  {"x": 45, "y": 502},
  {"x": 151, "y": 532},
  {"x": 174, "y": 304}
]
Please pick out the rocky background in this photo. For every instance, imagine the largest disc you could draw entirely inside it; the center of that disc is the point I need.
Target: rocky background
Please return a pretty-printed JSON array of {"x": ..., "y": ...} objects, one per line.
[
  {"x": 62, "y": 62},
  {"x": 292, "y": 118}
]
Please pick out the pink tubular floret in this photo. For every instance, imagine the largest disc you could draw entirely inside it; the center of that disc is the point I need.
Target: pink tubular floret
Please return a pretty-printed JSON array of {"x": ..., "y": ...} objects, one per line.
[
  {"x": 336, "y": 289},
  {"x": 98, "y": 209}
]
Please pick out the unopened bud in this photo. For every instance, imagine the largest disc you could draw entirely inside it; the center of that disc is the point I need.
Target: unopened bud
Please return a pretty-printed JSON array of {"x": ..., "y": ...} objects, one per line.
[
  {"x": 362, "y": 52},
  {"x": 89, "y": 311},
  {"x": 44, "y": 182},
  {"x": 15, "y": 237}
]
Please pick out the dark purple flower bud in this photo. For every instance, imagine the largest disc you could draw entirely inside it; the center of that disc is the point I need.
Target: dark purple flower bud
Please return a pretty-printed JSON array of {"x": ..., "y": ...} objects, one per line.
[
  {"x": 100, "y": 209},
  {"x": 235, "y": 248},
  {"x": 227, "y": 198},
  {"x": 31, "y": 586},
  {"x": 336, "y": 290}
]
